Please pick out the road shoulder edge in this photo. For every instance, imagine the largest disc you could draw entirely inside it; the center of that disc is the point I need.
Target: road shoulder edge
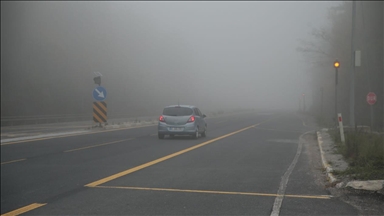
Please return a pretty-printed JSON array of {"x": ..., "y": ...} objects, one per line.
[
  {"x": 370, "y": 185},
  {"x": 328, "y": 169}
]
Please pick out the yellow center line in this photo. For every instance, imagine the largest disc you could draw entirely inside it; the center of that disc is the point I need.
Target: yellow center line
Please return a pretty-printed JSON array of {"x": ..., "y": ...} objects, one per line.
[
  {"x": 13, "y": 161},
  {"x": 79, "y": 134},
  {"x": 134, "y": 169},
  {"x": 218, "y": 192},
  {"x": 93, "y": 146},
  {"x": 24, "y": 209}
]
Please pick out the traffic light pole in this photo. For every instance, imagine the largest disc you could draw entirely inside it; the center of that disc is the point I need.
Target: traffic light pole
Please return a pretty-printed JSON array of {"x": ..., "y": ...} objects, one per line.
[{"x": 336, "y": 82}]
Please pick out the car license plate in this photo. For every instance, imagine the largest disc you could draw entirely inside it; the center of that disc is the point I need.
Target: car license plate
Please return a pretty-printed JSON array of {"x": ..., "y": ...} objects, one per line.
[{"x": 175, "y": 129}]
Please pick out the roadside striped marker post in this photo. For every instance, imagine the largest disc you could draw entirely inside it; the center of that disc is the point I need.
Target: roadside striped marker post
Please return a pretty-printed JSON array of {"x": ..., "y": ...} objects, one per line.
[{"x": 100, "y": 112}]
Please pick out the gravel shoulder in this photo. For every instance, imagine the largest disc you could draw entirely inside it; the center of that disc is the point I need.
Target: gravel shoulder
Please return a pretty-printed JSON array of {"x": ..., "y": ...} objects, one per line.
[{"x": 367, "y": 202}]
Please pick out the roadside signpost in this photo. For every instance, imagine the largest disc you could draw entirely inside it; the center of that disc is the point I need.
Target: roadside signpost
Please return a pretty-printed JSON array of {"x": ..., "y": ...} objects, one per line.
[
  {"x": 99, "y": 107},
  {"x": 371, "y": 100},
  {"x": 99, "y": 93},
  {"x": 100, "y": 112}
]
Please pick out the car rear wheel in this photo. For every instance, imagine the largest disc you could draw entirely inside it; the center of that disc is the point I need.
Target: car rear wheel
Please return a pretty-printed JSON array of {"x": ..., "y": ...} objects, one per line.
[
  {"x": 204, "y": 134},
  {"x": 196, "y": 135},
  {"x": 161, "y": 136}
]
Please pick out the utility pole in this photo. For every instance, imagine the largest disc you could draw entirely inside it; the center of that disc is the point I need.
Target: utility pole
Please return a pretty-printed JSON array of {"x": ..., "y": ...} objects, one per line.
[
  {"x": 322, "y": 93},
  {"x": 352, "y": 75}
]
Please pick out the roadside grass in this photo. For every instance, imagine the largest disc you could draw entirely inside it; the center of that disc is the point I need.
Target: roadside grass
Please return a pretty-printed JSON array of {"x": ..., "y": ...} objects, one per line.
[{"x": 364, "y": 153}]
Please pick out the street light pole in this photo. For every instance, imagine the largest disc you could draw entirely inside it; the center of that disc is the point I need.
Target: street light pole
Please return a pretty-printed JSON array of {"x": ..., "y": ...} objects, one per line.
[{"x": 336, "y": 64}]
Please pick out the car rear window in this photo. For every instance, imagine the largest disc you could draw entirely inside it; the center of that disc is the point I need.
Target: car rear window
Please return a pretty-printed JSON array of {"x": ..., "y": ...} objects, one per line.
[{"x": 177, "y": 111}]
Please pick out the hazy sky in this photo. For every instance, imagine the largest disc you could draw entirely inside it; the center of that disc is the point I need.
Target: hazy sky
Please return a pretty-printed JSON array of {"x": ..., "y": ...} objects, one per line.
[
  {"x": 212, "y": 54},
  {"x": 244, "y": 51}
]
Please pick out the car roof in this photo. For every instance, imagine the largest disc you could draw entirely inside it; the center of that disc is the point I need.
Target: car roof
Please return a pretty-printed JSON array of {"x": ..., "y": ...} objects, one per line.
[{"x": 185, "y": 106}]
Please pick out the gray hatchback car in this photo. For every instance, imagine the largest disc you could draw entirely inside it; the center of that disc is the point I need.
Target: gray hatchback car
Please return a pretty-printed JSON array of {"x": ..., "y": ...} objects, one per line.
[{"x": 182, "y": 120}]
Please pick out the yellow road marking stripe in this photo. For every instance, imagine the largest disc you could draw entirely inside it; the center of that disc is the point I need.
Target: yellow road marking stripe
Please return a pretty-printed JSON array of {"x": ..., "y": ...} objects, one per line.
[
  {"x": 13, "y": 161},
  {"x": 24, "y": 209},
  {"x": 218, "y": 192},
  {"x": 109, "y": 130},
  {"x": 93, "y": 146},
  {"x": 134, "y": 169}
]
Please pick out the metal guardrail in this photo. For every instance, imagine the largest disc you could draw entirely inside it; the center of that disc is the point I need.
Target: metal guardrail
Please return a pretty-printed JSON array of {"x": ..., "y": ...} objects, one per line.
[
  {"x": 41, "y": 119},
  {"x": 46, "y": 119}
]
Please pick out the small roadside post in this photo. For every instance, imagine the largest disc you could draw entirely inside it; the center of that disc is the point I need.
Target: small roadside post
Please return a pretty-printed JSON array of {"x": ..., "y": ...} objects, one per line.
[
  {"x": 341, "y": 127},
  {"x": 99, "y": 107},
  {"x": 371, "y": 100}
]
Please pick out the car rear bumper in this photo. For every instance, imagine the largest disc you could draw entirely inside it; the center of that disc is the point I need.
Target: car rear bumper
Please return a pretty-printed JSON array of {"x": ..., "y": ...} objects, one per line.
[{"x": 187, "y": 129}]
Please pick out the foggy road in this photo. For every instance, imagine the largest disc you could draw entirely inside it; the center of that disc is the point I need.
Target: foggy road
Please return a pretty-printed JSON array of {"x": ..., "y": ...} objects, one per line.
[
  {"x": 83, "y": 85},
  {"x": 243, "y": 167}
]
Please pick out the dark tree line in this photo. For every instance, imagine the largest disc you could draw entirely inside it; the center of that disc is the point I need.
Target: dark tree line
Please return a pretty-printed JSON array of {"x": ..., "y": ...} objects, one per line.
[{"x": 334, "y": 43}]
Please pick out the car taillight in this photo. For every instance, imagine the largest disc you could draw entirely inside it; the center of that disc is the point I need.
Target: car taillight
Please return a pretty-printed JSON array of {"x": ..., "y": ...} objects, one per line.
[
  {"x": 191, "y": 119},
  {"x": 161, "y": 119}
]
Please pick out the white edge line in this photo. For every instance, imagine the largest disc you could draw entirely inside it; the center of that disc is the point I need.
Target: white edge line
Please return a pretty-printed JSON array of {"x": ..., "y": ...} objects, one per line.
[
  {"x": 48, "y": 135},
  {"x": 285, "y": 178},
  {"x": 65, "y": 134}
]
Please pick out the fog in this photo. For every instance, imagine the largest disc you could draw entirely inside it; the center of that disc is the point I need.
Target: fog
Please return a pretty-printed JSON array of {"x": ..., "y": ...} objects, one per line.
[{"x": 216, "y": 55}]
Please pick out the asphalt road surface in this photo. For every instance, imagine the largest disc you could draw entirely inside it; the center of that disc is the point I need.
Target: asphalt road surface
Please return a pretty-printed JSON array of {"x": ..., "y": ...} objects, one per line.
[{"x": 249, "y": 164}]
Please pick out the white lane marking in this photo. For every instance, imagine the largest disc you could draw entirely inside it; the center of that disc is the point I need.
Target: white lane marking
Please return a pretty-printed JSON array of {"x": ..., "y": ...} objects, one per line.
[{"x": 285, "y": 178}]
